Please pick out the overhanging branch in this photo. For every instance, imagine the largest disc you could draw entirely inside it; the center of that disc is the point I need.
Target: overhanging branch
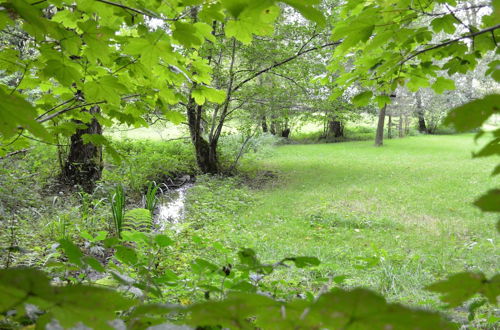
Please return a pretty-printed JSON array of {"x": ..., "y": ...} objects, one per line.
[
  {"x": 275, "y": 65},
  {"x": 449, "y": 42}
]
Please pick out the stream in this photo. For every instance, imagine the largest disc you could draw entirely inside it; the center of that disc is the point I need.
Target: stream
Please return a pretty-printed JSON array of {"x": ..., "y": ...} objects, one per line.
[{"x": 171, "y": 208}]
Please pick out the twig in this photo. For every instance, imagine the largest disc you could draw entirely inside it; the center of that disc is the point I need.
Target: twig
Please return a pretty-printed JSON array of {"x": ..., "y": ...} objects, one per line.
[
  {"x": 67, "y": 110},
  {"x": 10, "y": 154},
  {"x": 21, "y": 79},
  {"x": 55, "y": 107}
]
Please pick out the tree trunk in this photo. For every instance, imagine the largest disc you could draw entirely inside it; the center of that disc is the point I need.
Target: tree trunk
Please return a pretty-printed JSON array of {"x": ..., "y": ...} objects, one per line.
[
  {"x": 285, "y": 133},
  {"x": 83, "y": 166},
  {"x": 206, "y": 153},
  {"x": 335, "y": 129},
  {"x": 422, "y": 127},
  {"x": 407, "y": 125},
  {"x": 400, "y": 127},
  {"x": 263, "y": 121},
  {"x": 389, "y": 128},
  {"x": 379, "y": 137},
  {"x": 273, "y": 127}
]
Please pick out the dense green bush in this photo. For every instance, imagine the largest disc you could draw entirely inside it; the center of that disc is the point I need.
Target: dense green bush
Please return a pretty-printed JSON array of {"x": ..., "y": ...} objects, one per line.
[{"x": 146, "y": 161}]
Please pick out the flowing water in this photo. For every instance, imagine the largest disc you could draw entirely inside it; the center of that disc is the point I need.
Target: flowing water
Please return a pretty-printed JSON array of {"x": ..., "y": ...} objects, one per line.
[{"x": 171, "y": 208}]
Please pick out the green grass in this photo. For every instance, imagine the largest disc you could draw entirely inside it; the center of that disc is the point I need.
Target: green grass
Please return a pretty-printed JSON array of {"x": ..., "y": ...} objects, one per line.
[{"x": 393, "y": 219}]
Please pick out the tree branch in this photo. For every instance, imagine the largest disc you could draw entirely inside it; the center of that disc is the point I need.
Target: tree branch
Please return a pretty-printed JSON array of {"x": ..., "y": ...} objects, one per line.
[
  {"x": 135, "y": 10},
  {"x": 275, "y": 65},
  {"x": 55, "y": 107},
  {"x": 52, "y": 116},
  {"x": 449, "y": 42}
]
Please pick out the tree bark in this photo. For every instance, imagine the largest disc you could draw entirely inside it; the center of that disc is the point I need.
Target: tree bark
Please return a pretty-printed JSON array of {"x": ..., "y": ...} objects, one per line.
[
  {"x": 400, "y": 127},
  {"x": 389, "y": 128},
  {"x": 206, "y": 153},
  {"x": 273, "y": 128},
  {"x": 379, "y": 137},
  {"x": 335, "y": 129},
  {"x": 285, "y": 133},
  {"x": 422, "y": 127},
  {"x": 263, "y": 120},
  {"x": 84, "y": 165}
]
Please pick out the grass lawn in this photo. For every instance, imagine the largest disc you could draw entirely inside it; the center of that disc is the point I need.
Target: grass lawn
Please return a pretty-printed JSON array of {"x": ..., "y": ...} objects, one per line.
[{"x": 393, "y": 219}]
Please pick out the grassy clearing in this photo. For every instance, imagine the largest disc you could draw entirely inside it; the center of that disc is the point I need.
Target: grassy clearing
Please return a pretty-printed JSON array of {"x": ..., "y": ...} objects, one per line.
[{"x": 393, "y": 219}]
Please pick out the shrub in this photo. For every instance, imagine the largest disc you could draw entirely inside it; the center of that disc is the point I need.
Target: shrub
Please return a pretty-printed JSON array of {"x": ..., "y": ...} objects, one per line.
[
  {"x": 146, "y": 161},
  {"x": 235, "y": 147}
]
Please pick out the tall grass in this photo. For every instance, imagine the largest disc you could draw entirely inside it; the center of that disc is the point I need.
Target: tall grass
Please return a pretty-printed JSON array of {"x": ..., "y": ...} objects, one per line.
[
  {"x": 150, "y": 199},
  {"x": 118, "y": 208}
]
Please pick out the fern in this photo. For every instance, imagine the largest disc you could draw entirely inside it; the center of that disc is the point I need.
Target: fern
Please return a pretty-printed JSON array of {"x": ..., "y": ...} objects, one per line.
[{"x": 138, "y": 219}]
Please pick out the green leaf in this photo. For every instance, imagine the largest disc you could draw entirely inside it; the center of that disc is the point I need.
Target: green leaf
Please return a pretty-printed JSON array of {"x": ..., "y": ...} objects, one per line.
[
  {"x": 363, "y": 309},
  {"x": 4, "y": 20},
  {"x": 31, "y": 15},
  {"x": 490, "y": 202},
  {"x": 175, "y": 117},
  {"x": 490, "y": 149},
  {"x": 198, "y": 96},
  {"x": 383, "y": 100},
  {"x": 442, "y": 84},
  {"x": 248, "y": 257},
  {"x": 126, "y": 255},
  {"x": 94, "y": 263},
  {"x": 494, "y": 70},
  {"x": 72, "y": 251},
  {"x": 236, "y": 309},
  {"x": 106, "y": 88},
  {"x": 70, "y": 305},
  {"x": 459, "y": 288},
  {"x": 302, "y": 262},
  {"x": 213, "y": 95},
  {"x": 444, "y": 23},
  {"x": 163, "y": 240},
  {"x": 17, "y": 112},
  {"x": 65, "y": 74},
  {"x": 307, "y": 10},
  {"x": 187, "y": 35},
  {"x": 417, "y": 82},
  {"x": 362, "y": 99},
  {"x": 97, "y": 41},
  {"x": 473, "y": 114},
  {"x": 258, "y": 21},
  {"x": 200, "y": 266}
]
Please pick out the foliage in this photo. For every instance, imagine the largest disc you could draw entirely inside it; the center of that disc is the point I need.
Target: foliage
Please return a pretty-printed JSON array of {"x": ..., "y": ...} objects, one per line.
[
  {"x": 136, "y": 62},
  {"x": 112, "y": 56},
  {"x": 150, "y": 198},
  {"x": 118, "y": 208},
  {"x": 236, "y": 147},
  {"x": 137, "y": 219},
  {"x": 472, "y": 116},
  {"x": 147, "y": 161},
  {"x": 459, "y": 288},
  {"x": 28, "y": 286},
  {"x": 241, "y": 309}
]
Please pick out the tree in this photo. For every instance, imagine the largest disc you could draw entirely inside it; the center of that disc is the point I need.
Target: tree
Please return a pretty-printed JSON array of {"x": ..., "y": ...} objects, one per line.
[
  {"x": 223, "y": 55},
  {"x": 398, "y": 43},
  {"x": 128, "y": 59}
]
